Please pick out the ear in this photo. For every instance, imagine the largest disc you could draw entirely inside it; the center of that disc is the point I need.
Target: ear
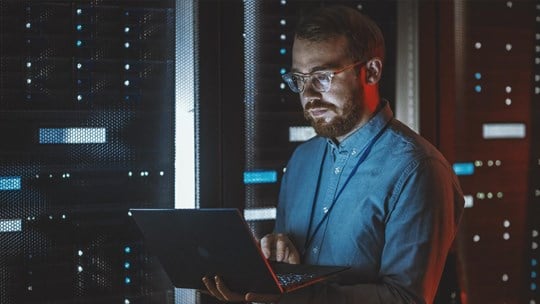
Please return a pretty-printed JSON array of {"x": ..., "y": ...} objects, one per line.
[{"x": 373, "y": 70}]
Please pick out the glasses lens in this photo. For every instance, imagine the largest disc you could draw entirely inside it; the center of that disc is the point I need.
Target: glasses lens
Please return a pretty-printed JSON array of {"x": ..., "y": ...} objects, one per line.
[
  {"x": 293, "y": 81},
  {"x": 321, "y": 81}
]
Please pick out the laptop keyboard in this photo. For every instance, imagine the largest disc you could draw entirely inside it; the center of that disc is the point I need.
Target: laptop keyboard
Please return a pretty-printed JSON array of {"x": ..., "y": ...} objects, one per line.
[{"x": 288, "y": 279}]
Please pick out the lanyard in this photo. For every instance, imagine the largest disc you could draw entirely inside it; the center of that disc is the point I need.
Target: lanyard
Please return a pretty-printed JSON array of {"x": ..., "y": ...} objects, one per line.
[{"x": 361, "y": 159}]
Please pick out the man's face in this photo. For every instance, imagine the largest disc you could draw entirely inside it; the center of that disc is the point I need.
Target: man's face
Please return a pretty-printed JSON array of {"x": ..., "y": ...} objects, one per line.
[{"x": 334, "y": 113}]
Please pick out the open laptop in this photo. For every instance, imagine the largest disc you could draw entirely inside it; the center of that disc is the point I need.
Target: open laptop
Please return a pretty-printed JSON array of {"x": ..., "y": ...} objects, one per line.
[{"x": 193, "y": 243}]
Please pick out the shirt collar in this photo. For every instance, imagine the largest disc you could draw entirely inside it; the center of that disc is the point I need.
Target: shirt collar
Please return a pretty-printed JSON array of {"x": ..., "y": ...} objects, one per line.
[{"x": 362, "y": 136}]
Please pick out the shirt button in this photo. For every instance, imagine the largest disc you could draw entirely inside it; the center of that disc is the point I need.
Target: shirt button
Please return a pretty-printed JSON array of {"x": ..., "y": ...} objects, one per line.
[
  {"x": 325, "y": 209},
  {"x": 337, "y": 170},
  {"x": 315, "y": 249},
  {"x": 353, "y": 152}
]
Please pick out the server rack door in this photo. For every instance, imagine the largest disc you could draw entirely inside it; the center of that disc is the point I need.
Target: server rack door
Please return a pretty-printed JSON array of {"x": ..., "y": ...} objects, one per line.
[{"x": 86, "y": 121}]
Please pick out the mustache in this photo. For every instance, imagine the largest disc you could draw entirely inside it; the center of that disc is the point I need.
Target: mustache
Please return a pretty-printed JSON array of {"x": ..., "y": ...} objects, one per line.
[{"x": 319, "y": 104}]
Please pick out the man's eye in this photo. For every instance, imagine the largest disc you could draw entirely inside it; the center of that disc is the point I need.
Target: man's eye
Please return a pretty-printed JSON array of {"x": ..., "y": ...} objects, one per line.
[
  {"x": 297, "y": 79},
  {"x": 321, "y": 77}
]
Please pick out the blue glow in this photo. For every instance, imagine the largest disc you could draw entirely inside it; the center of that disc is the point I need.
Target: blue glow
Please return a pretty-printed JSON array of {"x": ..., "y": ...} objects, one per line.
[
  {"x": 72, "y": 135},
  {"x": 79, "y": 43},
  {"x": 127, "y": 280},
  {"x": 533, "y": 286},
  {"x": 127, "y": 265},
  {"x": 463, "y": 168},
  {"x": 11, "y": 225},
  {"x": 533, "y": 274},
  {"x": 79, "y": 27},
  {"x": 534, "y": 262},
  {"x": 282, "y": 71},
  {"x": 283, "y": 51},
  {"x": 10, "y": 183},
  {"x": 127, "y": 249},
  {"x": 478, "y": 76},
  {"x": 260, "y": 177},
  {"x": 478, "y": 88}
]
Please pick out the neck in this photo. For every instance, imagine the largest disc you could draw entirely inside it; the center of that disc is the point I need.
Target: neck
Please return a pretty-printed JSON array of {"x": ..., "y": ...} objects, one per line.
[
  {"x": 371, "y": 104},
  {"x": 340, "y": 139}
]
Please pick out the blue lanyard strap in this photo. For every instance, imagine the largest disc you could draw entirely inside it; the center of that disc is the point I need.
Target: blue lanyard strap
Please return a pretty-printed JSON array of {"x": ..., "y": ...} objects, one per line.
[{"x": 361, "y": 159}]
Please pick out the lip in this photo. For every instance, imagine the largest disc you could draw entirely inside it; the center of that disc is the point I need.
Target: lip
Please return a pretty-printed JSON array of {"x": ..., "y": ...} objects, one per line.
[{"x": 316, "y": 112}]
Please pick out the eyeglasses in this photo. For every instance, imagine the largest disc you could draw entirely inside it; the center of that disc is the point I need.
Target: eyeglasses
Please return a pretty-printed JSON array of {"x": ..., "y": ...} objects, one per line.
[{"x": 320, "y": 80}]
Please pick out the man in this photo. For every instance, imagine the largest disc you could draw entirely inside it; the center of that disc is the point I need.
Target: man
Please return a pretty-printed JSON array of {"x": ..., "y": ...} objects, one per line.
[{"x": 367, "y": 192}]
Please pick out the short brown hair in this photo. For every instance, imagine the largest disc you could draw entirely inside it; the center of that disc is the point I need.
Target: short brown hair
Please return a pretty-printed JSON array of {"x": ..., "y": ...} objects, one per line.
[{"x": 364, "y": 36}]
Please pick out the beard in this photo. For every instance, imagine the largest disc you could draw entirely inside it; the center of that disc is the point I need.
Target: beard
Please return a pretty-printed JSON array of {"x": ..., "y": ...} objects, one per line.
[{"x": 339, "y": 125}]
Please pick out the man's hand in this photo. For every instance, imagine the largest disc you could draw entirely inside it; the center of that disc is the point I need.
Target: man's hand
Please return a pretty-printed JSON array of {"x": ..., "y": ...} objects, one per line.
[
  {"x": 216, "y": 287},
  {"x": 279, "y": 248}
]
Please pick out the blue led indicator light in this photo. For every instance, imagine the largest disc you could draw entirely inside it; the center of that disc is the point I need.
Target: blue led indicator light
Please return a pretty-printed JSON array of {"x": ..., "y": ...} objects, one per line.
[
  {"x": 283, "y": 51},
  {"x": 10, "y": 183},
  {"x": 79, "y": 27},
  {"x": 463, "y": 168},
  {"x": 534, "y": 262},
  {"x": 127, "y": 280},
  {"x": 478, "y": 88},
  {"x": 127, "y": 265},
  {"x": 78, "y": 43},
  {"x": 127, "y": 249},
  {"x": 533, "y": 274},
  {"x": 533, "y": 286},
  {"x": 282, "y": 71},
  {"x": 260, "y": 177},
  {"x": 478, "y": 76}
]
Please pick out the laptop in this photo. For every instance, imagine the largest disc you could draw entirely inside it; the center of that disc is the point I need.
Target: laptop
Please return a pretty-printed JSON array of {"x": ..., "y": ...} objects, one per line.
[{"x": 193, "y": 243}]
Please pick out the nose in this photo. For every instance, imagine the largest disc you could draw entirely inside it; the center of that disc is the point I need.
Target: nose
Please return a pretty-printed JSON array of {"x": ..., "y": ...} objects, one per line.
[
  {"x": 309, "y": 94},
  {"x": 309, "y": 97}
]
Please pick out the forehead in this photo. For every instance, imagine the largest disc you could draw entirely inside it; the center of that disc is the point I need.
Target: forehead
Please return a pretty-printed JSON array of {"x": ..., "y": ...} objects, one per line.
[{"x": 308, "y": 56}]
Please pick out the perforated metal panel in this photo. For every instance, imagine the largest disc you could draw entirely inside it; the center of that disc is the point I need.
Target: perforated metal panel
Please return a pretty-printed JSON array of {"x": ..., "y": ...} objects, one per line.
[
  {"x": 86, "y": 128},
  {"x": 495, "y": 133}
]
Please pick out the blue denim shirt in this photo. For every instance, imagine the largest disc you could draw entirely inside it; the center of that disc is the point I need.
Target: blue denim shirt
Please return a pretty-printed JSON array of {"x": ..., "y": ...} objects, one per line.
[{"x": 384, "y": 202}]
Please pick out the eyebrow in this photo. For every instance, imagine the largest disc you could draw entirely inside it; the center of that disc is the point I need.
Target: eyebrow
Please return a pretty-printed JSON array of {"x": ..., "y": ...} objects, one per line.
[{"x": 317, "y": 68}]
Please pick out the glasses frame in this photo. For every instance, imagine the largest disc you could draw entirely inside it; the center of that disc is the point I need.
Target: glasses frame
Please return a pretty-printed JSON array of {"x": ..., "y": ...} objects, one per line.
[{"x": 288, "y": 77}]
